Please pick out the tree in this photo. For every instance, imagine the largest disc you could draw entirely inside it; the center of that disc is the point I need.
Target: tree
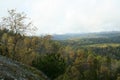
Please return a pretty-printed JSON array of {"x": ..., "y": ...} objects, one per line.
[
  {"x": 17, "y": 23},
  {"x": 51, "y": 64}
]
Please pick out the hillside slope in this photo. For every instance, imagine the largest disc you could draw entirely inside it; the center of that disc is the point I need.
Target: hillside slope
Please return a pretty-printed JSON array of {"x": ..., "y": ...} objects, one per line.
[
  {"x": 74, "y": 36},
  {"x": 12, "y": 70}
]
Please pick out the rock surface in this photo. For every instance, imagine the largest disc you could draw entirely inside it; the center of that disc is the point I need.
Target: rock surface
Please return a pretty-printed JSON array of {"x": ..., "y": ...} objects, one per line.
[{"x": 12, "y": 70}]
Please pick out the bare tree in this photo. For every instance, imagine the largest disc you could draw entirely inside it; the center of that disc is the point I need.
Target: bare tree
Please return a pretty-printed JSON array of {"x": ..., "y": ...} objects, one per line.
[{"x": 17, "y": 22}]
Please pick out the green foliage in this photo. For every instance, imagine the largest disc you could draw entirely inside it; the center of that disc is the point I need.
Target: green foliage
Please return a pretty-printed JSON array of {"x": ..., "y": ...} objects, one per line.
[{"x": 51, "y": 64}]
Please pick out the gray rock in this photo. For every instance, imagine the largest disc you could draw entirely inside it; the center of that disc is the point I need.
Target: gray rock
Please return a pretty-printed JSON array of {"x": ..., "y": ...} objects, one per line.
[{"x": 13, "y": 70}]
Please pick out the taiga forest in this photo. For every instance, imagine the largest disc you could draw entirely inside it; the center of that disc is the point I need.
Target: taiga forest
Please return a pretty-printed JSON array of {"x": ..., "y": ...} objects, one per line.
[{"x": 87, "y": 56}]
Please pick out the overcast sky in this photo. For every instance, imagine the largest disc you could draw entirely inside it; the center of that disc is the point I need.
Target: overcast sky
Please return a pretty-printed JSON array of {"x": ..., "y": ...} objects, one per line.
[{"x": 68, "y": 16}]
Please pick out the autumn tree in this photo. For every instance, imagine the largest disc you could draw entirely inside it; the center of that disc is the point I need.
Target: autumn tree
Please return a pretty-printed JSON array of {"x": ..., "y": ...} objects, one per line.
[{"x": 17, "y": 23}]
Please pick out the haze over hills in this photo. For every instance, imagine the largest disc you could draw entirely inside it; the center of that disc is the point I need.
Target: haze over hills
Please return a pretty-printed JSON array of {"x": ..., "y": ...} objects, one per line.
[{"x": 72, "y": 36}]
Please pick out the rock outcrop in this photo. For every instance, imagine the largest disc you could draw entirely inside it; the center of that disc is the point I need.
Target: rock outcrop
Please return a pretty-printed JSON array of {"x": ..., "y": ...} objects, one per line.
[{"x": 12, "y": 70}]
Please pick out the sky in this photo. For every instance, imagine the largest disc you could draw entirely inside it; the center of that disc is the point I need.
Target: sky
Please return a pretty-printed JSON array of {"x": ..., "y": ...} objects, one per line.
[{"x": 68, "y": 16}]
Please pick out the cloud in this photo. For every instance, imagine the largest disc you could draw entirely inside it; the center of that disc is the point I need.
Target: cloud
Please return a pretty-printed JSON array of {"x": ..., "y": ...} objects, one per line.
[{"x": 71, "y": 16}]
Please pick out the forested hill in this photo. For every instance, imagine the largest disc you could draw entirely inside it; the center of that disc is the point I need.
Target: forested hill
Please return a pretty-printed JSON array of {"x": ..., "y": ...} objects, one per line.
[{"x": 75, "y": 36}]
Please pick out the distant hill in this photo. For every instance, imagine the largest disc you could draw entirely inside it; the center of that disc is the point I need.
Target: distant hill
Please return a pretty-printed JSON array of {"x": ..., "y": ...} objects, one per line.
[
  {"x": 74, "y": 36},
  {"x": 12, "y": 70}
]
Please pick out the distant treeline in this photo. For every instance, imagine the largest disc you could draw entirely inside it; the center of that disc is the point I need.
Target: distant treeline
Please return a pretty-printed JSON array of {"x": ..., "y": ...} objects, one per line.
[{"x": 89, "y": 41}]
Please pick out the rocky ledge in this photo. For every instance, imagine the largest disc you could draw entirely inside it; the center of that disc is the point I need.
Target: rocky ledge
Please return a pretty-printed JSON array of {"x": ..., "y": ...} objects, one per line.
[{"x": 12, "y": 70}]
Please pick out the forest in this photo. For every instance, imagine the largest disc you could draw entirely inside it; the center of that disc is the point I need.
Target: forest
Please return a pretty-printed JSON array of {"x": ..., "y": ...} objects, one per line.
[{"x": 76, "y": 59}]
